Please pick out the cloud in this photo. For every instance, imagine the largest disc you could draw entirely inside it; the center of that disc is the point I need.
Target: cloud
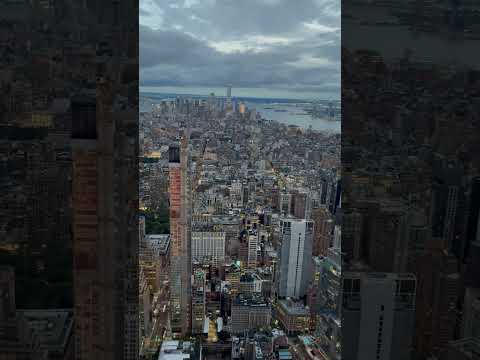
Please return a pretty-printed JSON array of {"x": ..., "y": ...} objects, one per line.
[
  {"x": 250, "y": 43},
  {"x": 144, "y": 12}
]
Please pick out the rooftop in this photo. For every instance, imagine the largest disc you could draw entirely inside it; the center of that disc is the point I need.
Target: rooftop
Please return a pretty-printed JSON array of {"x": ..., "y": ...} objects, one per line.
[
  {"x": 175, "y": 350},
  {"x": 294, "y": 308},
  {"x": 250, "y": 300},
  {"x": 53, "y": 327},
  {"x": 159, "y": 241}
]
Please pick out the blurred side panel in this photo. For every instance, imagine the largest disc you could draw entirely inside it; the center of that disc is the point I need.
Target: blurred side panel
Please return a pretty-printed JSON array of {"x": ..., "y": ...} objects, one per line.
[{"x": 410, "y": 139}]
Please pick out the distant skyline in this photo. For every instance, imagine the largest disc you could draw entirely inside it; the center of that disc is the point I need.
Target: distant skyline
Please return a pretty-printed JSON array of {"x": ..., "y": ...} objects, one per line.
[
  {"x": 245, "y": 92},
  {"x": 269, "y": 47}
]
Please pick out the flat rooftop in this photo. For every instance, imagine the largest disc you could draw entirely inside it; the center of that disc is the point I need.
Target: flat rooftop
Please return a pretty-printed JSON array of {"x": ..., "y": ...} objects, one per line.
[
  {"x": 294, "y": 308},
  {"x": 161, "y": 242},
  {"x": 175, "y": 350},
  {"x": 53, "y": 326}
]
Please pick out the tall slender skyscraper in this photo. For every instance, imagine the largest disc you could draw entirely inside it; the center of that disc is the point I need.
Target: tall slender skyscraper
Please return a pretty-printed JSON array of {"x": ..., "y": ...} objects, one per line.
[
  {"x": 105, "y": 229},
  {"x": 229, "y": 97},
  {"x": 296, "y": 256},
  {"x": 180, "y": 234}
]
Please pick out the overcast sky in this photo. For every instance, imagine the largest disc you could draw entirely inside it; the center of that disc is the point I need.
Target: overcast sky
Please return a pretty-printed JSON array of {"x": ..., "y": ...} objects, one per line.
[{"x": 289, "y": 45}]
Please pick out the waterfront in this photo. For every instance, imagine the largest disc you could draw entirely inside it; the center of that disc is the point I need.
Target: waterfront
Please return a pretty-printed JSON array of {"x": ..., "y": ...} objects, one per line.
[
  {"x": 293, "y": 114},
  {"x": 285, "y": 111}
]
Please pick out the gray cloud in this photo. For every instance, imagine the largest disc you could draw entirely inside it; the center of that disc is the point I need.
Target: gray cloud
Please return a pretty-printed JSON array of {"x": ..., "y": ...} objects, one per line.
[
  {"x": 144, "y": 12},
  {"x": 262, "y": 43}
]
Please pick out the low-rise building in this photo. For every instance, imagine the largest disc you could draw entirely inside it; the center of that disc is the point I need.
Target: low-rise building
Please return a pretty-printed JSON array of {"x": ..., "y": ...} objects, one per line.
[
  {"x": 250, "y": 312},
  {"x": 293, "y": 316}
]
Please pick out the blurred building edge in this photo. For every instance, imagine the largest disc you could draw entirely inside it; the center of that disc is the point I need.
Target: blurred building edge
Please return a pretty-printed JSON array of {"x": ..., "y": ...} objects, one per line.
[
  {"x": 105, "y": 226},
  {"x": 32, "y": 334}
]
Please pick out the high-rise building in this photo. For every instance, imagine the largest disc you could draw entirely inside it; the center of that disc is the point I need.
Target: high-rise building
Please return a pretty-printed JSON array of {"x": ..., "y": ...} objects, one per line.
[
  {"x": 198, "y": 301},
  {"x": 105, "y": 228},
  {"x": 252, "y": 253},
  {"x": 229, "y": 97},
  {"x": 180, "y": 236},
  {"x": 208, "y": 247},
  {"x": 87, "y": 302},
  {"x": 378, "y": 314},
  {"x": 301, "y": 205},
  {"x": 296, "y": 256},
  {"x": 323, "y": 231}
]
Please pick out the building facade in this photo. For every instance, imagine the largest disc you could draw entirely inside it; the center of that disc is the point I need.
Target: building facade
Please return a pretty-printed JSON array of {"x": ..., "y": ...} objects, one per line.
[{"x": 295, "y": 257}]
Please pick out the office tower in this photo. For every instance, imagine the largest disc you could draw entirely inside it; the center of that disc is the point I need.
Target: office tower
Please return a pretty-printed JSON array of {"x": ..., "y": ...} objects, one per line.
[
  {"x": 378, "y": 315},
  {"x": 295, "y": 256},
  {"x": 105, "y": 228},
  {"x": 301, "y": 205},
  {"x": 323, "y": 231},
  {"x": 252, "y": 250},
  {"x": 180, "y": 250},
  {"x": 198, "y": 301},
  {"x": 229, "y": 97},
  {"x": 208, "y": 247}
]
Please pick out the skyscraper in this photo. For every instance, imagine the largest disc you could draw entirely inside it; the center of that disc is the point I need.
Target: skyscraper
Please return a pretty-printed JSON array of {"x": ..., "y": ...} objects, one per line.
[
  {"x": 198, "y": 302},
  {"x": 378, "y": 313},
  {"x": 180, "y": 234},
  {"x": 105, "y": 228},
  {"x": 323, "y": 232},
  {"x": 252, "y": 253},
  {"x": 229, "y": 97},
  {"x": 296, "y": 256}
]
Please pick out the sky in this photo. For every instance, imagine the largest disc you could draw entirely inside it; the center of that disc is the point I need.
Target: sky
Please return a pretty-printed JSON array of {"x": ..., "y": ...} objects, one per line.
[{"x": 277, "y": 45}]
